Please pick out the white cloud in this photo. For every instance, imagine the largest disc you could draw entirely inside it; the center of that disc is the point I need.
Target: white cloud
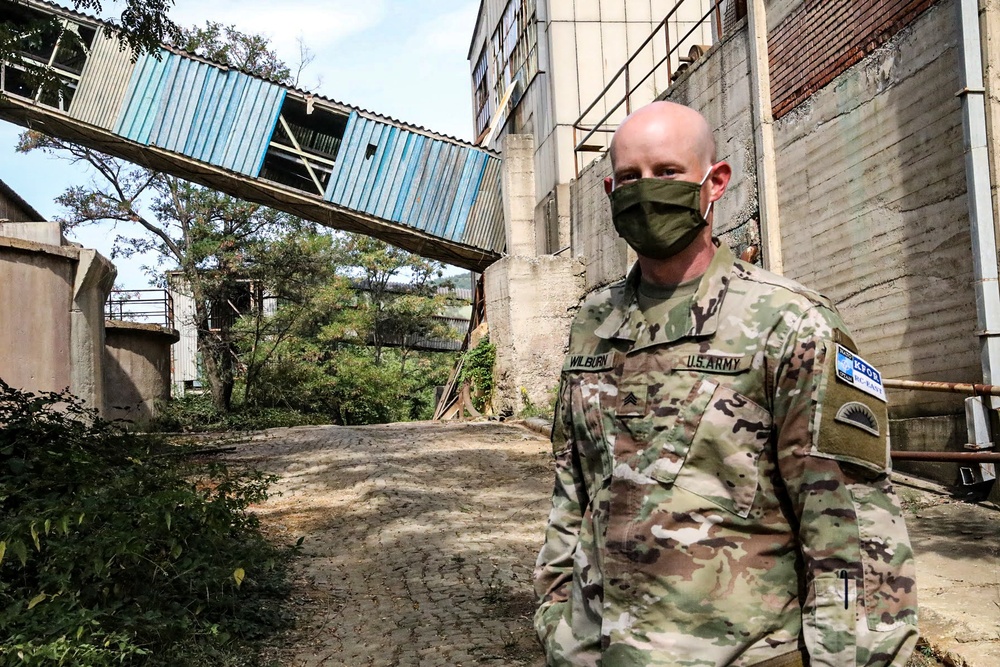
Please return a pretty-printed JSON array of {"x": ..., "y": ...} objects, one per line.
[
  {"x": 320, "y": 23},
  {"x": 447, "y": 34}
]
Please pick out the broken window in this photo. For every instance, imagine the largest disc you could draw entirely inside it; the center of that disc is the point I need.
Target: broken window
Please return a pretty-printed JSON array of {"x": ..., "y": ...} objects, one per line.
[
  {"x": 52, "y": 53},
  {"x": 304, "y": 146}
]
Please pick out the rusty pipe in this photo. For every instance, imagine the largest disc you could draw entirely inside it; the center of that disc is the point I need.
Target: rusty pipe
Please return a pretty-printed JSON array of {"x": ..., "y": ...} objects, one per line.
[
  {"x": 953, "y": 387},
  {"x": 947, "y": 457}
]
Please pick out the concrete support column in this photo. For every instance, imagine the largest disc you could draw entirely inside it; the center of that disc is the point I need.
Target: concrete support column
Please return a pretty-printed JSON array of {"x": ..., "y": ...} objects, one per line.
[
  {"x": 95, "y": 276},
  {"x": 989, "y": 22},
  {"x": 518, "y": 187},
  {"x": 530, "y": 305},
  {"x": 763, "y": 121}
]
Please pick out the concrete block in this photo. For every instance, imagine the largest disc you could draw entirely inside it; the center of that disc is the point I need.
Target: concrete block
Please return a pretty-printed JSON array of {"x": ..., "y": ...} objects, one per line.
[
  {"x": 136, "y": 370},
  {"x": 945, "y": 433},
  {"x": 530, "y": 304},
  {"x": 871, "y": 186},
  {"x": 39, "y": 232}
]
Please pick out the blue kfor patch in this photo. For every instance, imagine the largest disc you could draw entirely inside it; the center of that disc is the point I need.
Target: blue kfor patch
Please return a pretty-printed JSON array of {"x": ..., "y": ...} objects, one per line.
[{"x": 855, "y": 371}]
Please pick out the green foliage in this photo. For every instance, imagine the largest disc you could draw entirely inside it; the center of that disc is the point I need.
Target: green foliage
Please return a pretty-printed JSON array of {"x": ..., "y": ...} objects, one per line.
[
  {"x": 477, "y": 369},
  {"x": 112, "y": 553},
  {"x": 196, "y": 413},
  {"x": 531, "y": 410}
]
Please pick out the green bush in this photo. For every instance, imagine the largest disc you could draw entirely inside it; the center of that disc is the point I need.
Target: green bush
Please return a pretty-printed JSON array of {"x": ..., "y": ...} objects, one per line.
[
  {"x": 115, "y": 551},
  {"x": 195, "y": 413},
  {"x": 477, "y": 369}
]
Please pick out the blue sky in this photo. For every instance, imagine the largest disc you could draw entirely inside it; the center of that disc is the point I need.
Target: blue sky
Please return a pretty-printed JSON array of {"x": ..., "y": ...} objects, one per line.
[{"x": 401, "y": 58}]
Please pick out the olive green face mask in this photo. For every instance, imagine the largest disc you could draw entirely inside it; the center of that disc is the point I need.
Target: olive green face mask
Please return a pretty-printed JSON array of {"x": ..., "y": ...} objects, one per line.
[{"x": 658, "y": 217}]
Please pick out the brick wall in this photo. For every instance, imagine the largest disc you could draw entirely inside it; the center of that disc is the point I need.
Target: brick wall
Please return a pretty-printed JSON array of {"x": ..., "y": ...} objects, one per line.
[{"x": 820, "y": 39}]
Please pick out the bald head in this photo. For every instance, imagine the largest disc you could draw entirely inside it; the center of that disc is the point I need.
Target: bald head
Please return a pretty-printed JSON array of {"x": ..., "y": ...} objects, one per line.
[{"x": 666, "y": 128}]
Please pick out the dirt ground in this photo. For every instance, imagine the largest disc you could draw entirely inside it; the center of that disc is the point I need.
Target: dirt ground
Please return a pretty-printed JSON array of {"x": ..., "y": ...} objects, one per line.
[
  {"x": 419, "y": 541},
  {"x": 420, "y": 538}
]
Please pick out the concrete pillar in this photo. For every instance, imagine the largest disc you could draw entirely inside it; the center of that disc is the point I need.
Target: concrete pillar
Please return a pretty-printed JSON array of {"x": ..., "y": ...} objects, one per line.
[
  {"x": 95, "y": 276},
  {"x": 530, "y": 305},
  {"x": 763, "y": 121},
  {"x": 518, "y": 187}
]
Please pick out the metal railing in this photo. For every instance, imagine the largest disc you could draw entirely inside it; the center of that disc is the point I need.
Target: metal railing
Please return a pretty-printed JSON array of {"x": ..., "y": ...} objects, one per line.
[
  {"x": 624, "y": 74},
  {"x": 146, "y": 306}
]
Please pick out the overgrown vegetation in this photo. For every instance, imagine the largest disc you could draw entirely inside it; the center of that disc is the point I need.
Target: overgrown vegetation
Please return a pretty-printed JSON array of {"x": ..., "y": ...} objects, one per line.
[
  {"x": 477, "y": 370},
  {"x": 115, "y": 551}
]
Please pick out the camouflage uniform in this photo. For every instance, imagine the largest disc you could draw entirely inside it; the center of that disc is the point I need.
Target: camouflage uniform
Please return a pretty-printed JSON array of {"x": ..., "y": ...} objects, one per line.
[{"x": 721, "y": 497}]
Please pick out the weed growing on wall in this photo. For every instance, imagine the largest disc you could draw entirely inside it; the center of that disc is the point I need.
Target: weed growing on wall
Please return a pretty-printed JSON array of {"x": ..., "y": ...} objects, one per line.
[{"x": 114, "y": 551}]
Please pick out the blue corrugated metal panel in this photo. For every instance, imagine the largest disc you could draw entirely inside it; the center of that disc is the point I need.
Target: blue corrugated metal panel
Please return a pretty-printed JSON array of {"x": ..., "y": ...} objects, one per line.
[
  {"x": 405, "y": 177},
  {"x": 142, "y": 101},
  {"x": 190, "y": 107}
]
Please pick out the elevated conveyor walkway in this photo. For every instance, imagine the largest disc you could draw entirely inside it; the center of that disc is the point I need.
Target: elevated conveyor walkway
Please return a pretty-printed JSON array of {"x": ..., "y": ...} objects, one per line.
[{"x": 255, "y": 139}]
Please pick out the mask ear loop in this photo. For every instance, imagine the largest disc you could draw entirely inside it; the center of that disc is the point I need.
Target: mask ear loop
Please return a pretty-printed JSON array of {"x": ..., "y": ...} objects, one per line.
[{"x": 709, "y": 209}]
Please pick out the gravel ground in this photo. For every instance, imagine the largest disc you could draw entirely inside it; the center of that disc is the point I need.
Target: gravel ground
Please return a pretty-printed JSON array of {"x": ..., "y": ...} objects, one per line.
[{"x": 419, "y": 540}]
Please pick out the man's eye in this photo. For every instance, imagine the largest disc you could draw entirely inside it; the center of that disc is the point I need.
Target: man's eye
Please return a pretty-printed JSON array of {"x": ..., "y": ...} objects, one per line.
[
  {"x": 667, "y": 172},
  {"x": 626, "y": 178}
]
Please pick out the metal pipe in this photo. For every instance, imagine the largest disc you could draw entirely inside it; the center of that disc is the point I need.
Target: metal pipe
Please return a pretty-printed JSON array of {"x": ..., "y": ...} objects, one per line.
[
  {"x": 977, "y": 173},
  {"x": 952, "y": 387},
  {"x": 948, "y": 457}
]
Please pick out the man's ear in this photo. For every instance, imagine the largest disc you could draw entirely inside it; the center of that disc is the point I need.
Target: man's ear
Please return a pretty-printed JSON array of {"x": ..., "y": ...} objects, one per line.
[
  {"x": 609, "y": 185},
  {"x": 719, "y": 180}
]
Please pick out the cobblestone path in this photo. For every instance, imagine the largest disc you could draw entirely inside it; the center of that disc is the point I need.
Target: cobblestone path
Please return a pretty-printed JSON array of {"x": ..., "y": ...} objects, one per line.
[{"x": 419, "y": 541}]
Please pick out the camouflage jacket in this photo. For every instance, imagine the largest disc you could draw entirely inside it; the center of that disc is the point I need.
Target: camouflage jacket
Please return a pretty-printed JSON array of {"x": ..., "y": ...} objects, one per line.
[{"x": 722, "y": 493}]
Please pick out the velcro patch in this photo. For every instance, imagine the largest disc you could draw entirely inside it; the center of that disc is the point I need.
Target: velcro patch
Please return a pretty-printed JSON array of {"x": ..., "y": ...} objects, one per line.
[
  {"x": 716, "y": 362},
  {"x": 855, "y": 371},
  {"x": 584, "y": 362},
  {"x": 853, "y": 421}
]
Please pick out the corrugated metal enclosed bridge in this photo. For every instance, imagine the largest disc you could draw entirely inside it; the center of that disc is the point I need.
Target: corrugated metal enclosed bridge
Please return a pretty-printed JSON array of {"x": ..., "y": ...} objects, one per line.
[{"x": 341, "y": 166}]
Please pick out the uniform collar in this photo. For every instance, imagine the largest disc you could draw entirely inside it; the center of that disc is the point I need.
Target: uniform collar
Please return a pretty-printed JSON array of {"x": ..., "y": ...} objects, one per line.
[{"x": 626, "y": 322}]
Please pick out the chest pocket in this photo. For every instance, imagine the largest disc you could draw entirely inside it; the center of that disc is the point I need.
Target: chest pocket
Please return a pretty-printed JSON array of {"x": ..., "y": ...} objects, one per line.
[{"x": 721, "y": 464}]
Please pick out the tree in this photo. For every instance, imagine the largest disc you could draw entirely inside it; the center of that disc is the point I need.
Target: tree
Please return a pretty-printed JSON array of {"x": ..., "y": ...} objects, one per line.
[
  {"x": 351, "y": 353},
  {"x": 218, "y": 244}
]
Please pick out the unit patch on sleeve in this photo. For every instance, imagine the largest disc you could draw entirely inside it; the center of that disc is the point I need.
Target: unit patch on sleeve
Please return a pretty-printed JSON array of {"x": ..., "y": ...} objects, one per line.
[
  {"x": 858, "y": 373},
  {"x": 853, "y": 418},
  {"x": 716, "y": 362}
]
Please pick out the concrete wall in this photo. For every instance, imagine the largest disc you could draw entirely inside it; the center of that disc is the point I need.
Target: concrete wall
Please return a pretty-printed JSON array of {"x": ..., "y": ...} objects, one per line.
[
  {"x": 871, "y": 185},
  {"x": 718, "y": 85},
  {"x": 51, "y": 317},
  {"x": 136, "y": 369},
  {"x": 530, "y": 304}
]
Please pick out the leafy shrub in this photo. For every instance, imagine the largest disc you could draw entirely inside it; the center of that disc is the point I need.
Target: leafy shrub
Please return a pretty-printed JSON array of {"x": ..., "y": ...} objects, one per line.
[
  {"x": 195, "y": 412},
  {"x": 111, "y": 554},
  {"x": 477, "y": 369}
]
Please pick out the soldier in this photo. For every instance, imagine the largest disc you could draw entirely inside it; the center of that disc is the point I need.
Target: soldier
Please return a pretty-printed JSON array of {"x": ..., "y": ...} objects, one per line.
[{"x": 722, "y": 492}]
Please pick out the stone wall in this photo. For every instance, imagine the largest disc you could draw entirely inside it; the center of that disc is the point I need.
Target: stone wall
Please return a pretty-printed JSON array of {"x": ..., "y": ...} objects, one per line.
[{"x": 136, "y": 369}]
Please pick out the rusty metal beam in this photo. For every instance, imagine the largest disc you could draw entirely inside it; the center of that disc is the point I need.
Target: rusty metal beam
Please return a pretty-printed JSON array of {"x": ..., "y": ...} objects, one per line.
[
  {"x": 947, "y": 457},
  {"x": 953, "y": 387}
]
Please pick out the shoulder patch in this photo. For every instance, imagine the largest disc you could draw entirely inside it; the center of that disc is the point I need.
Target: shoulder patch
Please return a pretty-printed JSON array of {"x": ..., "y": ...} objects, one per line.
[{"x": 852, "y": 423}]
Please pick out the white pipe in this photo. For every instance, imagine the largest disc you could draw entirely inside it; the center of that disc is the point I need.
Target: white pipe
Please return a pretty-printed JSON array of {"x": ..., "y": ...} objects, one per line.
[{"x": 977, "y": 174}]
